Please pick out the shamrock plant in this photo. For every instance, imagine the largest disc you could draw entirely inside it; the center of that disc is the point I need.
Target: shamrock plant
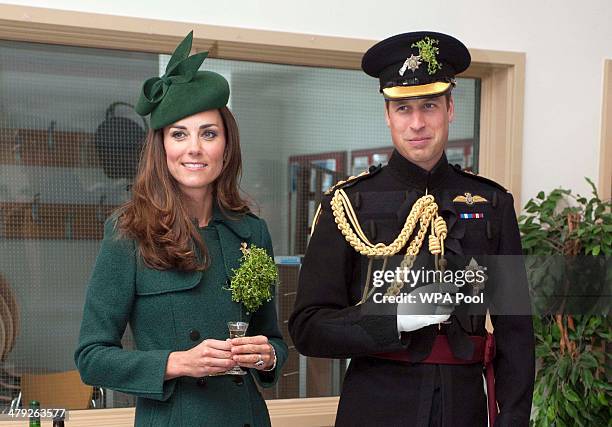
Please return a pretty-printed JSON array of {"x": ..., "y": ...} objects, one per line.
[
  {"x": 428, "y": 52},
  {"x": 252, "y": 282}
]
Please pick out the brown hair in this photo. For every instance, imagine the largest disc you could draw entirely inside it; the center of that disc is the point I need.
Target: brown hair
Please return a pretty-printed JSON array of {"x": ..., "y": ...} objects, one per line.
[{"x": 155, "y": 216}]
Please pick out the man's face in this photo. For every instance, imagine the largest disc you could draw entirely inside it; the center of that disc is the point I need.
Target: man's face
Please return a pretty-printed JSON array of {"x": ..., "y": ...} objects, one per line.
[{"x": 419, "y": 128}]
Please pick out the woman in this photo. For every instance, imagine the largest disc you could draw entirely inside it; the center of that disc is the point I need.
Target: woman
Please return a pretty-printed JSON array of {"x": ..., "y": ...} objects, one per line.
[{"x": 165, "y": 264}]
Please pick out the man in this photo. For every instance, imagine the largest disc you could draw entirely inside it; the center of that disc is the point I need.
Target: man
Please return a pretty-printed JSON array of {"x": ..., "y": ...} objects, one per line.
[{"x": 408, "y": 369}]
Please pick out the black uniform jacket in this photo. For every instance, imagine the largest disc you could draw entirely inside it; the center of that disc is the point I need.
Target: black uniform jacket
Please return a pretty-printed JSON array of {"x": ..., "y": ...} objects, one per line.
[{"x": 326, "y": 322}]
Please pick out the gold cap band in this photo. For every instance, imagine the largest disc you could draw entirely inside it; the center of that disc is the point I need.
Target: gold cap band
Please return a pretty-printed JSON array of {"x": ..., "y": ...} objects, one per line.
[{"x": 404, "y": 92}]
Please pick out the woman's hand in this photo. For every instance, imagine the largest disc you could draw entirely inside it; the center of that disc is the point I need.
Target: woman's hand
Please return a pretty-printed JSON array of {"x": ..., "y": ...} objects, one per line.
[
  {"x": 247, "y": 351},
  {"x": 207, "y": 358}
]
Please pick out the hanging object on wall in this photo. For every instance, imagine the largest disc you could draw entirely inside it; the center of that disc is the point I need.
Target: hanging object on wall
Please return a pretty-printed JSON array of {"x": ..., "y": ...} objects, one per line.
[{"x": 119, "y": 141}]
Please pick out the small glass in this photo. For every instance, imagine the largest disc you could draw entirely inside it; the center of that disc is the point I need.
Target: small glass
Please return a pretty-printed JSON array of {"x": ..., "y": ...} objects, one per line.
[{"x": 237, "y": 330}]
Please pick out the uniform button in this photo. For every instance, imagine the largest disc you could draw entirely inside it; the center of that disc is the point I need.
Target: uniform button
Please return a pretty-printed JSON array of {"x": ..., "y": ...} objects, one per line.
[
  {"x": 201, "y": 382},
  {"x": 247, "y": 425},
  {"x": 238, "y": 380},
  {"x": 194, "y": 334}
]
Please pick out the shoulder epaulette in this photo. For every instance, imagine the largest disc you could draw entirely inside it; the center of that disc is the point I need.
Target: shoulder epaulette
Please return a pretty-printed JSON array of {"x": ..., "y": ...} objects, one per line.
[
  {"x": 352, "y": 180},
  {"x": 470, "y": 174}
]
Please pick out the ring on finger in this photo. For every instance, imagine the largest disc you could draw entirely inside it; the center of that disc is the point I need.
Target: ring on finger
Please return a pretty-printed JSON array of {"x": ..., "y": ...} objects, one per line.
[{"x": 260, "y": 362}]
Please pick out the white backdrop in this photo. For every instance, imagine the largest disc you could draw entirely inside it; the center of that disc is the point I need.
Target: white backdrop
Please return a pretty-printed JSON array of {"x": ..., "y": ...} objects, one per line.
[{"x": 566, "y": 43}]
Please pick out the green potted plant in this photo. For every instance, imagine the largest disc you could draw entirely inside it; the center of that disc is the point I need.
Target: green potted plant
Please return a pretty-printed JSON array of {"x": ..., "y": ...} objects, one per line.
[{"x": 567, "y": 240}]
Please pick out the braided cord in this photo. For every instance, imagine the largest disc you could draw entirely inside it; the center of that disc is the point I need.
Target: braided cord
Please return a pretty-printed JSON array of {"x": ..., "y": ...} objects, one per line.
[
  {"x": 424, "y": 211},
  {"x": 414, "y": 247}
]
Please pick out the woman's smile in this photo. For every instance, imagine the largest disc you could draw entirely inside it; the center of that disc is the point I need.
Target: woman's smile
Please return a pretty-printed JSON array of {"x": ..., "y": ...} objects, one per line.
[{"x": 195, "y": 165}]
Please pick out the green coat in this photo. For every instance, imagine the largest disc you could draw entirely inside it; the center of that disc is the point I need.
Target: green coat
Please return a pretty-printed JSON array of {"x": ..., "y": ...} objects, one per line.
[{"x": 174, "y": 311}]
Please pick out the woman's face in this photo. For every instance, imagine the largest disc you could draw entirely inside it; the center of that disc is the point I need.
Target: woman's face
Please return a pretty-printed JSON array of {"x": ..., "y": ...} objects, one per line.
[{"x": 194, "y": 151}]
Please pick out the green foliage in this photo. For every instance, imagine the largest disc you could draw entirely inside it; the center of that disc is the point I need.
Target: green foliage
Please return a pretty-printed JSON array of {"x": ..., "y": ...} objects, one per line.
[
  {"x": 428, "y": 52},
  {"x": 545, "y": 228},
  {"x": 252, "y": 282},
  {"x": 574, "y": 362},
  {"x": 571, "y": 386}
]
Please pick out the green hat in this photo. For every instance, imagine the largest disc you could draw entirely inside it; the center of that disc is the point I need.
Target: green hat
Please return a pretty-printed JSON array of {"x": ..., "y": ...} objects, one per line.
[{"x": 183, "y": 90}]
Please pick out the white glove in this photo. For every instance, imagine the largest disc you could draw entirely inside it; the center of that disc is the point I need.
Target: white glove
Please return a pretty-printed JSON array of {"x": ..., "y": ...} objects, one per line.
[
  {"x": 412, "y": 322},
  {"x": 413, "y": 316}
]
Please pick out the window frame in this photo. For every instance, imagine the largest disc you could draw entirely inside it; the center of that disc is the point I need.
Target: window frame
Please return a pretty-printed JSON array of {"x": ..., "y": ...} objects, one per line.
[{"x": 605, "y": 151}]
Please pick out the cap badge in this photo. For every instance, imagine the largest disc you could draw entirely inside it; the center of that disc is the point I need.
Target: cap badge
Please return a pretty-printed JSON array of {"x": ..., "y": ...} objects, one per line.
[
  {"x": 428, "y": 52},
  {"x": 411, "y": 64}
]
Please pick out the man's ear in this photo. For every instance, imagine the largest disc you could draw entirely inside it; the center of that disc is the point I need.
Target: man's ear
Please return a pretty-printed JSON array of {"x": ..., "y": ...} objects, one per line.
[
  {"x": 451, "y": 109},
  {"x": 387, "y": 120}
]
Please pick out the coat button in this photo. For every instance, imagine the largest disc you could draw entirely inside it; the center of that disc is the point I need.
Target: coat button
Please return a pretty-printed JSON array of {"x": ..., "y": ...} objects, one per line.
[
  {"x": 238, "y": 380},
  {"x": 201, "y": 382},
  {"x": 194, "y": 334}
]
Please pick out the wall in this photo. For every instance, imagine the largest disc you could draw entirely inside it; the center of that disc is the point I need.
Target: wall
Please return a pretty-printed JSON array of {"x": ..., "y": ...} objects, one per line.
[{"x": 565, "y": 43}]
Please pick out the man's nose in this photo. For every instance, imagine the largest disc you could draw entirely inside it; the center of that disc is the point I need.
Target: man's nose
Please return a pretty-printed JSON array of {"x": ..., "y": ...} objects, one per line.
[{"x": 417, "y": 122}]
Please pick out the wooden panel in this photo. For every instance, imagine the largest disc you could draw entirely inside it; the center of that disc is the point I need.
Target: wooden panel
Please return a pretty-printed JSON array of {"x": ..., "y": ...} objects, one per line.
[
  {"x": 501, "y": 126},
  {"x": 41, "y": 25},
  {"x": 57, "y": 390},
  {"x": 53, "y": 221},
  {"x": 149, "y": 35},
  {"x": 283, "y": 413},
  {"x": 316, "y": 411},
  {"x": 37, "y": 147}
]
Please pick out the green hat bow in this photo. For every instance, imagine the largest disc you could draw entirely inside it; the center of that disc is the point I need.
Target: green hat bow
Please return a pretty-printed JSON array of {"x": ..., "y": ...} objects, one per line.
[
  {"x": 181, "y": 69},
  {"x": 182, "y": 90}
]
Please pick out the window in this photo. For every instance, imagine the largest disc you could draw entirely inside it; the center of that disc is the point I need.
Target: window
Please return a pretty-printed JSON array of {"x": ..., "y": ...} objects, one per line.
[{"x": 63, "y": 173}]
